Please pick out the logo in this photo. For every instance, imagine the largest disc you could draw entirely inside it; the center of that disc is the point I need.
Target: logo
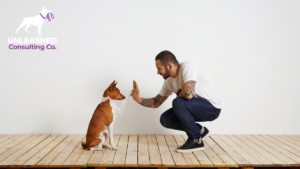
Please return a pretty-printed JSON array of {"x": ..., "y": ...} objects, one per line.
[
  {"x": 36, "y": 21},
  {"x": 31, "y": 43}
]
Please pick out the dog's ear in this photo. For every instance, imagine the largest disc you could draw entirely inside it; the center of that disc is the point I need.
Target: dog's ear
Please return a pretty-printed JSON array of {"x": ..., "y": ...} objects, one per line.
[{"x": 112, "y": 84}]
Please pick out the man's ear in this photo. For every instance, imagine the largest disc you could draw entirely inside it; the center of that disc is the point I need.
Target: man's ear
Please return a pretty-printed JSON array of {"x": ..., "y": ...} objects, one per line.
[{"x": 170, "y": 66}]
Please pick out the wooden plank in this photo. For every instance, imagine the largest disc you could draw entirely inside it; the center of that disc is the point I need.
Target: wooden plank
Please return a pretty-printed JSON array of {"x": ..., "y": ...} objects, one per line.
[
  {"x": 263, "y": 161},
  {"x": 155, "y": 158},
  {"x": 214, "y": 158},
  {"x": 201, "y": 157},
  {"x": 166, "y": 157},
  {"x": 275, "y": 160},
  {"x": 13, "y": 143},
  {"x": 278, "y": 148},
  {"x": 17, "y": 151},
  {"x": 97, "y": 156},
  {"x": 100, "y": 167},
  {"x": 131, "y": 157},
  {"x": 222, "y": 142},
  {"x": 73, "y": 157},
  {"x": 143, "y": 152},
  {"x": 59, "y": 160},
  {"x": 228, "y": 160},
  {"x": 41, "y": 154},
  {"x": 295, "y": 142},
  {"x": 44, "y": 163},
  {"x": 5, "y": 137},
  {"x": 235, "y": 151},
  {"x": 291, "y": 144},
  {"x": 189, "y": 156},
  {"x": 283, "y": 145},
  {"x": 296, "y": 138},
  {"x": 120, "y": 155},
  {"x": 9, "y": 140},
  {"x": 177, "y": 157},
  {"x": 108, "y": 156},
  {"x": 39, "y": 144},
  {"x": 274, "y": 152},
  {"x": 84, "y": 158}
]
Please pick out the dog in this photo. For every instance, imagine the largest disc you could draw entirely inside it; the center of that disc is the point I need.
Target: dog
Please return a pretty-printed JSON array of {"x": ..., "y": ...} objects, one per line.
[
  {"x": 37, "y": 20},
  {"x": 101, "y": 124}
]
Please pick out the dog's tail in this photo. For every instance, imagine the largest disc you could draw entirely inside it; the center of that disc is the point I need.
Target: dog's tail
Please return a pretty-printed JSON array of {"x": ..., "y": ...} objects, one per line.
[{"x": 83, "y": 144}]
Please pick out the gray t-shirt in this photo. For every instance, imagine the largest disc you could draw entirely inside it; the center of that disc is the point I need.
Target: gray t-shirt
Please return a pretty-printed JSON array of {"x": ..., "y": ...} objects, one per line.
[{"x": 204, "y": 87}]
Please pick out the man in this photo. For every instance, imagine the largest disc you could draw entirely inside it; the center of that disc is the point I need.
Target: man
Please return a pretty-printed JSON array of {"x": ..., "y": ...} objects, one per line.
[{"x": 197, "y": 99}]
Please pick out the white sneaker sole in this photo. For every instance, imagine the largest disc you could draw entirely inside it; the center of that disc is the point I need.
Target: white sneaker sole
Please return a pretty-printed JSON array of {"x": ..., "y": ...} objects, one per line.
[
  {"x": 190, "y": 150},
  {"x": 207, "y": 135}
]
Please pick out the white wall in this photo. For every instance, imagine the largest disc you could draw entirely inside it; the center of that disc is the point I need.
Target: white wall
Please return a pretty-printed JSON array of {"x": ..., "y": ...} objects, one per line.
[{"x": 250, "y": 49}]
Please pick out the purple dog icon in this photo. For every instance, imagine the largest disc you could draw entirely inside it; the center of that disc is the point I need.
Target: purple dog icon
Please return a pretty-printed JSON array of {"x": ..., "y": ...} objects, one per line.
[{"x": 37, "y": 20}]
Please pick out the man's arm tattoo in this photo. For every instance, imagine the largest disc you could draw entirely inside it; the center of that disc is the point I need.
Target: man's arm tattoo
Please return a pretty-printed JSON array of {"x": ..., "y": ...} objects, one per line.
[
  {"x": 153, "y": 102},
  {"x": 190, "y": 90}
]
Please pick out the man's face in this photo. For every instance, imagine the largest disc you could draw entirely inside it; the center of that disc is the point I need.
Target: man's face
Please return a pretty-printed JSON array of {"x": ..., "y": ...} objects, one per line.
[{"x": 162, "y": 70}]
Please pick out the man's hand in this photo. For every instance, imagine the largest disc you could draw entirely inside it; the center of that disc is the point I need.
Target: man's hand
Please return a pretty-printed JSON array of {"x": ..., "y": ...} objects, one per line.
[
  {"x": 135, "y": 92},
  {"x": 151, "y": 102}
]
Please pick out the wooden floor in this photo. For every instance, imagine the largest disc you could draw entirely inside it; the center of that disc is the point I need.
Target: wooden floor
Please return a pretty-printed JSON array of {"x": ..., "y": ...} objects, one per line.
[{"x": 64, "y": 151}]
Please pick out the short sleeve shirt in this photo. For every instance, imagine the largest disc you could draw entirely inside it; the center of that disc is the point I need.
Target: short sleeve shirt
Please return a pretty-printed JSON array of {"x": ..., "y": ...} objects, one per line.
[{"x": 204, "y": 87}]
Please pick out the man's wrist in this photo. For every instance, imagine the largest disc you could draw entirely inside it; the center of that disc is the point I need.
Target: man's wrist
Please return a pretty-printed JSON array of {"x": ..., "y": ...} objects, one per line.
[{"x": 139, "y": 100}]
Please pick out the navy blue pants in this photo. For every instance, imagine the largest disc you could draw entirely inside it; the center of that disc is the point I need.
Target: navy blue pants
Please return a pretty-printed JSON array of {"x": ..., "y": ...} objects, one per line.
[{"x": 186, "y": 112}]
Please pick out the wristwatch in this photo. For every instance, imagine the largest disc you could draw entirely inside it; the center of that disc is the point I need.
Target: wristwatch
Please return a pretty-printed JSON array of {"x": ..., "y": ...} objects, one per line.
[{"x": 178, "y": 92}]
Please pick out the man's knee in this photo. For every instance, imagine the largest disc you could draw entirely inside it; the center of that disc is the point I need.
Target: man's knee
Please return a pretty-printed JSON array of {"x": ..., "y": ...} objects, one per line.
[
  {"x": 163, "y": 121},
  {"x": 178, "y": 102}
]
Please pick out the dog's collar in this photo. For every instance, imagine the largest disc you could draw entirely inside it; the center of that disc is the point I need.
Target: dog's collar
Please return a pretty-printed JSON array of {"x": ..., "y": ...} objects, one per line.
[
  {"x": 117, "y": 110},
  {"x": 42, "y": 16},
  {"x": 105, "y": 98},
  {"x": 48, "y": 17}
]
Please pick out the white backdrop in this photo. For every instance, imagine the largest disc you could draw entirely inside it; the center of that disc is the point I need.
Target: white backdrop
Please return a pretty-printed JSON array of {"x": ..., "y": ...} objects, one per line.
[{"x": 249, "y": 48}]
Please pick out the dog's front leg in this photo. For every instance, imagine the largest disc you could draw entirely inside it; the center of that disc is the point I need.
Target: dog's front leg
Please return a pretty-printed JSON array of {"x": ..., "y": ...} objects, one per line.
[
  {"x": 40, "y": 29},
  {"x": 111, "y": 141}
]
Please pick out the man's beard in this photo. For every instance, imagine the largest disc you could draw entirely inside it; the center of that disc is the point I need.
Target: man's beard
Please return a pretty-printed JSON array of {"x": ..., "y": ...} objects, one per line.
[{"x": 167, "y": 74}]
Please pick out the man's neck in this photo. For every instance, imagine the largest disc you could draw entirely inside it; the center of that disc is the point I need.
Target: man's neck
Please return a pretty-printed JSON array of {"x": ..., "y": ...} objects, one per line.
[{"x": 176, "y": 71}]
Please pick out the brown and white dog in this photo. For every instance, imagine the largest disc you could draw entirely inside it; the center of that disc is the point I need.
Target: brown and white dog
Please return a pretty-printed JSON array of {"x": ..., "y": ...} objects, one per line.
[{"x": 101, "y": 124}]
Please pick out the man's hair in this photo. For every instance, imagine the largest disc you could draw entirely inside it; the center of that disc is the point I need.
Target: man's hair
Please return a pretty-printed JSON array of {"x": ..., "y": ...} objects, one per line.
[{"x": 166, "y": 57}]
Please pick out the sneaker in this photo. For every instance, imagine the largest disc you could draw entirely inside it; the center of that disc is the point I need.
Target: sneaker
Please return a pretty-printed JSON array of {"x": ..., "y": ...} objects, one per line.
[
  {"x": 205, "y": 133},
  {"x": 191, "y": 145}
]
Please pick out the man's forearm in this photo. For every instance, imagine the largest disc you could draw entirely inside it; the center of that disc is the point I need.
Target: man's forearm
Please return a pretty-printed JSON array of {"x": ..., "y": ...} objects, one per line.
[
  {"x": 151, "y": 102},
  {"x": 188, "y": 92}
]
